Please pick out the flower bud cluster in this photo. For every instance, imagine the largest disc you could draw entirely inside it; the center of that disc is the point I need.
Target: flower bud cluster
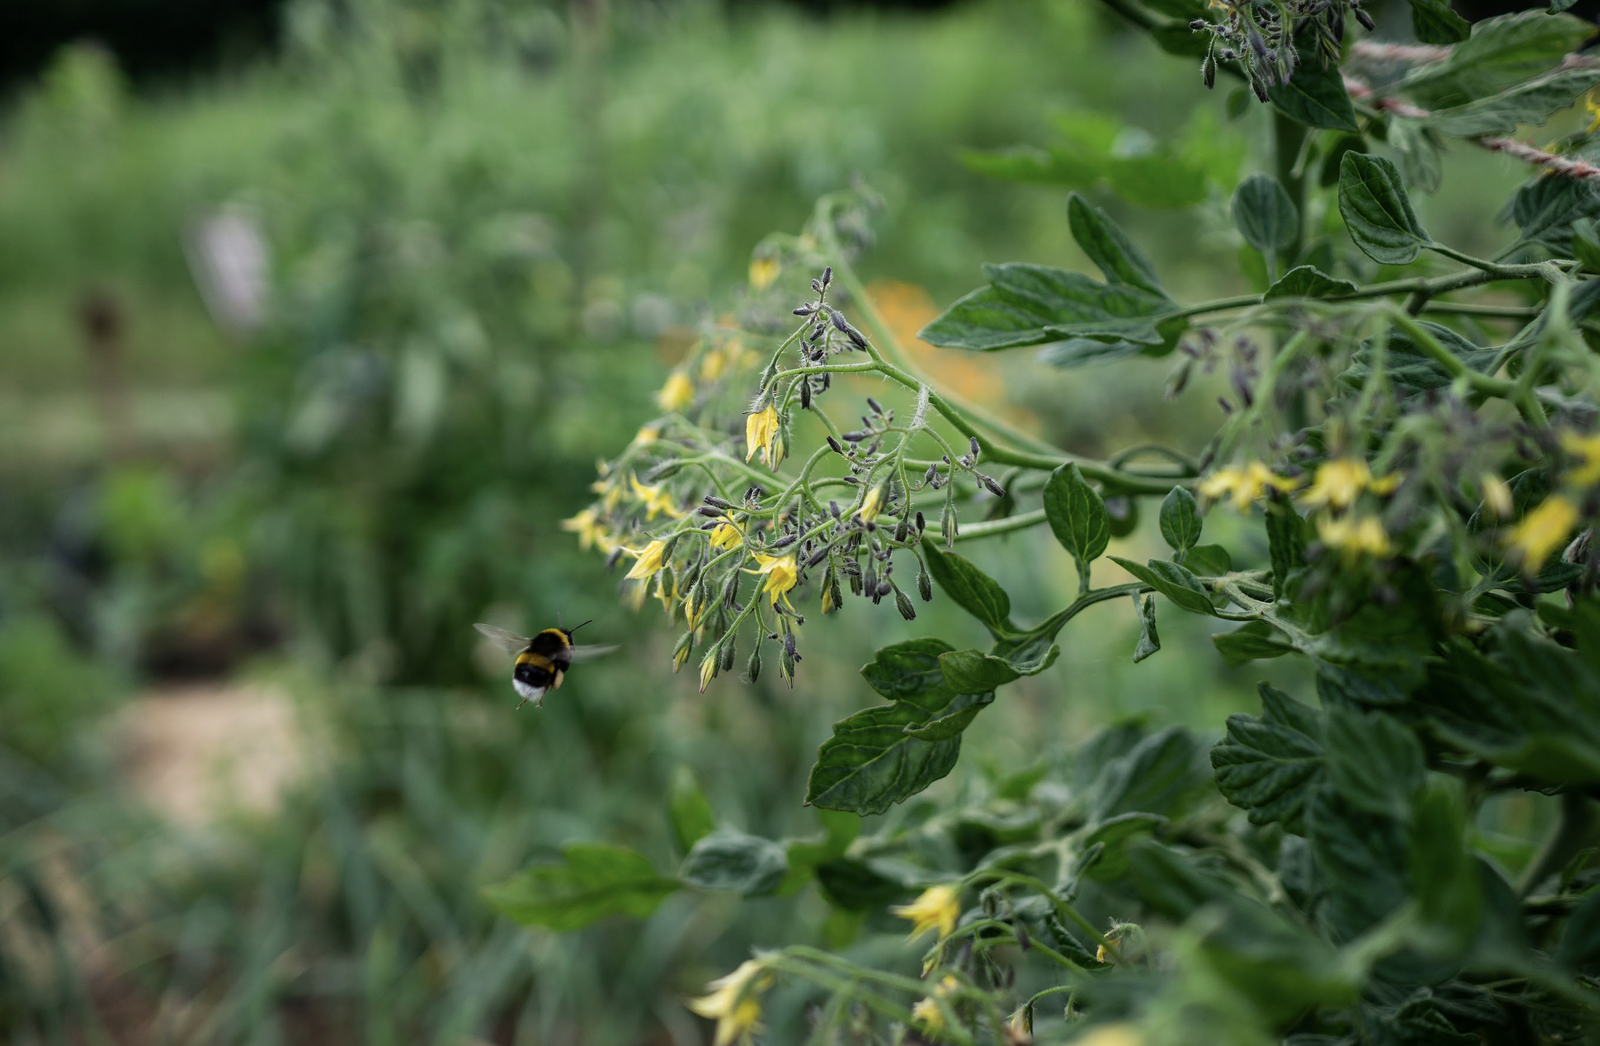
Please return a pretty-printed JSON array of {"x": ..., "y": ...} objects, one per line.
[{"x": 1262, "y": 35}]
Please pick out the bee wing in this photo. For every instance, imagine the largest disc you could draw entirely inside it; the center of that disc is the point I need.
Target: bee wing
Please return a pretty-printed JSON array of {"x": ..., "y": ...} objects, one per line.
[
  {"x": 589, "y": 653},
  {"x": 510, "y": 642}
]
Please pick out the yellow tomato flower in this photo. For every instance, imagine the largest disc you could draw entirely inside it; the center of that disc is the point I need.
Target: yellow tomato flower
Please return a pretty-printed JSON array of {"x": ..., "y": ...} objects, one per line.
[
  {"x": 649, "y": 560},
  {"x": 764, "y": 272},
  {"x": 1594, "y": 109},
  {"x": 927, "y": 1011},
  {"x": 590, "y": 529},
  {"x": 1497, "y": 495},
  {"x": 1587, "y": 450},
  {"x": 782, "y": 573},
  {"x": 1354, "y": 536},
  {"x": 1245, "y": 483},
  {"x": 761, "y": 433},
  {"x": 712, "y": 364},
  {"x": 677, "y": 393},
  {"x": 667, "y": 597},
  {"x": 708, "y": 667},
  {"x": 1542, "y": 531},
  {"x": 647, "y": 434},
  {"x": 936, "y": 907},
  {"x": 1340, "y": 482},
  {"x": 869, "y": 505},
  {"x": 726, "y": 535},
  {"x": 731, "y": 1002},
  {"x": 654, "y": 499}
]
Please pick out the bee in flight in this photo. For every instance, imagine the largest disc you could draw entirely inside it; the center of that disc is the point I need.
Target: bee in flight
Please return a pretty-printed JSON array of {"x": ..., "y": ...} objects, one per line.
[{"x": 542, "y": 660}]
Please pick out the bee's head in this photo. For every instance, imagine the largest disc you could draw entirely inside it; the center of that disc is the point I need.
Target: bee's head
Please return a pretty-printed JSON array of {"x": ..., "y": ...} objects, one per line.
[{"x": 574, "y": 628}]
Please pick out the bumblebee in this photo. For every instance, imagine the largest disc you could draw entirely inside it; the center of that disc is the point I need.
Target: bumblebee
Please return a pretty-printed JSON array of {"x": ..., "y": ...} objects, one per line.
[{"x": 542, "y": 660}]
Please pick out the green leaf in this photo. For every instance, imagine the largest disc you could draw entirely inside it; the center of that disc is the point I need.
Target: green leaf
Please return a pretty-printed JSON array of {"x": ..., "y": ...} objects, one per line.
[
  {"x": 1444, "y": 876},
  {"x": 975, "y": 672},
  {"x": 1411, "y": 371},
  {"x": 1208, "y": 560},
  {"x": 1526, "y": 703},
  {"x": 875, "y": 757},
  {"x": 1315, "y": 96},
  {"x": 1070, "y": 304},
  {"x": 1433, "y": 22},
  {"x": 839, "y": 830},
  {"x": 1113, "y": 837},
  {"x": 1180, "y": 519},
  {"x": 1286, "y": 544},
  {"x": 1173, "y": 581},
  {"x": 1265, "y": 215},
  {"x": 1112, "y": 252},
  {"x": 1500, "y": 52},
  {"x": 1580, "y": 941},
  {"x": 1530, "y": 103},
  {"x": 1374, "y": 761},
  {"x": 1027, "y": 163},
  {"x": 1307, "y": 281},
  {"x": 1545, "y": 210},
  {"x": 592, "y": 881},
  {"x": 1162, "y": 775},
  {"x": 1149, "y": 641},
  {"x": 1377, "y": 212},
  {"x": 1034, "y": 304},
  {"x": 1080, "y": 352},
  {"x": 692, "y": 816},
  {"x": 1256, "y": 641},
  {"x": 1076, "y": 514},
  {"x": 1268, "y": 766},
  {"x": 972, "y": 590},
  {"x": 1363, "y": 857},
  {"x": 856, "y": 884},
  {"x": 729, "y": 860},
  {"x": 1586, "y": 243}
]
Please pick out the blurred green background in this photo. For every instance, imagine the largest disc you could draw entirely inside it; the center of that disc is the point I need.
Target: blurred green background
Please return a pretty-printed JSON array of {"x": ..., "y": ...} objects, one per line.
[{"x": 306, "y": 349}]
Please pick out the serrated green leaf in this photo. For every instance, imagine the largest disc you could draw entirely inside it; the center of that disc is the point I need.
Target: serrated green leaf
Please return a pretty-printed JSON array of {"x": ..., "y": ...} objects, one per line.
[
  {"x": 729, "y": 860},
  {"x": 857, "y": 884},
  {"x": 970, "y": 588},
  {"x": 1315, "y": 96},
  {"x": 692, "y": 816},
  {"x": 1411, "y": 371},
  {"x": 591, "y": 882},
  {"x": 1374, "y": 761},
  {"x": 1528, "y": 704},
  {"x": 1070, "y": 304},
  {"x": 1269, "y": 765},
  {"x": 1171, "y": 580},
  {"x": 1256, "y": 641},
  {"x": 1265, "y": 215},
  {"x": 1377, "y": 212},
  {"x": 1113, "y": 253},
  {"x": 1076, "y": 514},
  {"x": 1363, "y": 857},
  {"x": 1307, "y": 281},
  {"x": 1149, "y": 640},
  {"x": 1545, "y": 210},
  {"x": 875, "y": 758},
  {"x": 1162, "y": 774},
  {"x": 1180, "y": 519},
  {"x": 1531, "y": 103},
  {"x": 1499, "y": 53},
  {"x": 1433, "y": 22},
  {"x": 1286, "y": 544}
]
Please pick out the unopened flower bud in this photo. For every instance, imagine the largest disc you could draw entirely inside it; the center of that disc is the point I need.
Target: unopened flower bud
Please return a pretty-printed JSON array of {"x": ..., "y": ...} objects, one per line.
[
  {"x": 752, "y": 668},
  {"x": 925, "y": 586},
  {"x": 902, "y": 603}
]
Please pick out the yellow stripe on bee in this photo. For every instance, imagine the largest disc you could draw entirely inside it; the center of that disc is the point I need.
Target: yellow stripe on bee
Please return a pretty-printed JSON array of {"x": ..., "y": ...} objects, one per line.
[{"x": 528, "y": 657}]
